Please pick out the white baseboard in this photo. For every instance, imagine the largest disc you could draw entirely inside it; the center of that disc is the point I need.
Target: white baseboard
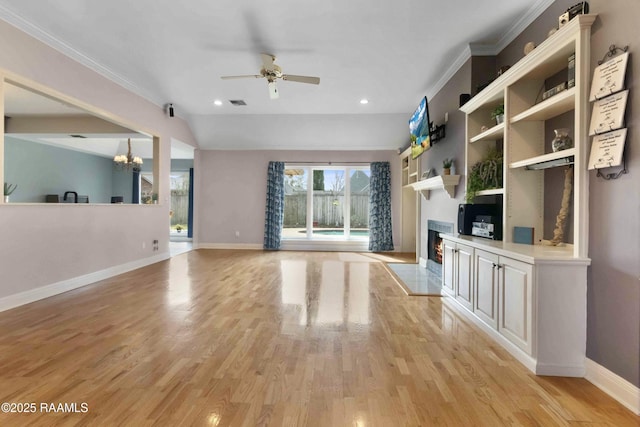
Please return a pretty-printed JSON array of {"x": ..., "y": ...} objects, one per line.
[
  {"x": 32, "y": 295},
  {"x": 325, "y": 246},
  {"x": 576, "y": 371},
  {"x": 248, "y": 246},
  {"x": 614, "y": 385}
]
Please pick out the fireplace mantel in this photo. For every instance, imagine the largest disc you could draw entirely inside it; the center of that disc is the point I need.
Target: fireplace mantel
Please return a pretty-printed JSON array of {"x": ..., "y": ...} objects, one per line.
[{"x": 445, "y": 182}]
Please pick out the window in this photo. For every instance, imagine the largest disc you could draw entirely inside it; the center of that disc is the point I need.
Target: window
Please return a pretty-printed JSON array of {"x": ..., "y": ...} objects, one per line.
[{"x": 326, "y": 202}]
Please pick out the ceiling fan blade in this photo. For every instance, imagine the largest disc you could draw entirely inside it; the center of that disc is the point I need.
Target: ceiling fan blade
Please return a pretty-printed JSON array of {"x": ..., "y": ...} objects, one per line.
[
  {"x": 273, "y": 90},
  {"x": 301, "y": 79},
  {"x": 248, "y": 76},
  {"x": 268, "y": 61}
]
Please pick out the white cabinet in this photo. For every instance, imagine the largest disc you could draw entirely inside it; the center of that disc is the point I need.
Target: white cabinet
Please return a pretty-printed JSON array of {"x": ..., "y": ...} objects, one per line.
[
  {"x": 532, "y": 298},
  {"x": 531, "y": 302},
  {"x": 457, "y": 272},
  {"x": 503, "y": 296},
  {"x": 485, "y": 304},
  {"x": 464, "y": 275},
  {"x": 448, "y": 271},
  {"x": 515, "y": 302}
]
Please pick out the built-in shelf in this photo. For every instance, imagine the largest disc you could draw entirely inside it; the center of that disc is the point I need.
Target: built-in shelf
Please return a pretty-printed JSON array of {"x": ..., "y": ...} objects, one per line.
[
  {"x": 551, "y": 107},
  {"x": 496, "y": 132},
  {"x": 543, "y": 159},
  {"x": 445, "y": 182},
  {"x": 490, "y": 192}
]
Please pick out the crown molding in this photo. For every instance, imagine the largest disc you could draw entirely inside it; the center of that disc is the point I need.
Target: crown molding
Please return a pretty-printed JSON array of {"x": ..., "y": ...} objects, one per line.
[
  {"x": 480, "y": 49},
  {"x": 457, "y": 63},
  {"x": 39, "y": 34},
  {"x": 520, "y": 25}
]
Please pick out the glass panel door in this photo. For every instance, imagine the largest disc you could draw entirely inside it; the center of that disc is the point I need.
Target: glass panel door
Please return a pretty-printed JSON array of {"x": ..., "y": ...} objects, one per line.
[
  {"x": 328, "y": 202},
  {"x": 359, "y": 202},
  {"x": 295, "y": 203}
]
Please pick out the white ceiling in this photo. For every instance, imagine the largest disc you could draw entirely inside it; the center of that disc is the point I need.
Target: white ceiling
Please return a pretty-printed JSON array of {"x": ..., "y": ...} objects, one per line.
[{"x": 390, "y": 52}]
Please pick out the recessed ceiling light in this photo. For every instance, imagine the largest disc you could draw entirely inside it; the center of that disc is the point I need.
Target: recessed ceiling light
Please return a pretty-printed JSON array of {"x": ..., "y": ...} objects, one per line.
[
  {"x": 217, "y": 102},
  {"x": 364, "y": 101}
]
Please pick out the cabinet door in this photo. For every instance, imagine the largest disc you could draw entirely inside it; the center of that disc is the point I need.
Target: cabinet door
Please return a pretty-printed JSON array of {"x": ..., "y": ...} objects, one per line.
[
  {"x": 515, "y": 302},
  {"x": 448, "y": 260},
  {"x": 485, "y": 303},
  {"x": 464, "y": 275}
]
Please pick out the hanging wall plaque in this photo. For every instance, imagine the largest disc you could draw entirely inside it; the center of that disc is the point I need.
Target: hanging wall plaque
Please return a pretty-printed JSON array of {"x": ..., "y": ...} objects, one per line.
[
  {"x": 607, "y": 149},
  {"x": 608, "y": 78},
  {"x": 608, "y": 113}
]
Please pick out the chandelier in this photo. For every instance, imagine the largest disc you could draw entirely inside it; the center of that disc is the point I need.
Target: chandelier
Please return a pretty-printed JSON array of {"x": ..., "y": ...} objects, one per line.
[{"x": 128, "y": 161}]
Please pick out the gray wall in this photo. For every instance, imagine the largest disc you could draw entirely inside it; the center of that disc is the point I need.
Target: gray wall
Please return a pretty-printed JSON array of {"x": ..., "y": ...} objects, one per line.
[
  {"x": 41, "y": 169},
  {"x": 613, "y": 300},
  {"x": 440, "y": 207},
  {"x": 230, "y": 190},
  {"x": 614, "y": 278}
]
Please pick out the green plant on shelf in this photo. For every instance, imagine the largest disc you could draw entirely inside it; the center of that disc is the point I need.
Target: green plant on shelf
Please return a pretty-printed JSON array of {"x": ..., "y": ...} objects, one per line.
[
  {"x": 485, "y": 175},
  {"x": 447, "y": 163},
  {"x": 498, "y": 111}
]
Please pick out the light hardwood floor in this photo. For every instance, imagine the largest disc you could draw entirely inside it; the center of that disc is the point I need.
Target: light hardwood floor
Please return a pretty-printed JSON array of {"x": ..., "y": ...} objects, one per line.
[{"x": 273, "y": 338}]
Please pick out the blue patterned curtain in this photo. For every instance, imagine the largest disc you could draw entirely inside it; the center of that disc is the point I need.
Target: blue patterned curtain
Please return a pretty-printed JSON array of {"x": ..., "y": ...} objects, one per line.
[
  {"x": 274, "y": 209},
  {"x": 380, "y": 236}
]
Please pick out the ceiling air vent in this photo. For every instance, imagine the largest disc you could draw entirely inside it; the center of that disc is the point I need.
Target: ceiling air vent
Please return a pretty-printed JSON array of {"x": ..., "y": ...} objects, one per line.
[{"x": 237, "y": 102}]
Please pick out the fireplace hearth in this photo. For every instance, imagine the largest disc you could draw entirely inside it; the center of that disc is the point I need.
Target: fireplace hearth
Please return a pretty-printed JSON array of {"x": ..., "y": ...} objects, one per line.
[{"x": 434, "y": 244}]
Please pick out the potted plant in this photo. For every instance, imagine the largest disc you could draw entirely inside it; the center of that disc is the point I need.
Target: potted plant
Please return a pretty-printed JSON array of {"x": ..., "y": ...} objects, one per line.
[
  {"x": 446, "y": 166},
  {"x": 179, "y": 228},
  {"x": 8, "y": 189},
  {"x": 154, "y": 198},
  {"x": 485, "y": 174},
  {"x": 497, "y": 114}
]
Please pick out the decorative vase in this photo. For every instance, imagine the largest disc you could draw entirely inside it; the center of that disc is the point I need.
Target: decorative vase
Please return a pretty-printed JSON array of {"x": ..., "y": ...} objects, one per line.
[
  {"x": 446, "y": 171},
  {"x": 499, "y": 119},
  {"x": 6, "y": 199},
  {"x": 562, "y": 140}
]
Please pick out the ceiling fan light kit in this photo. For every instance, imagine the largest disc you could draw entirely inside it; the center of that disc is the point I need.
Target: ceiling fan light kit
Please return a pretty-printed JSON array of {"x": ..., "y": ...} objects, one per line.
[{"x": 273, "y": 72}]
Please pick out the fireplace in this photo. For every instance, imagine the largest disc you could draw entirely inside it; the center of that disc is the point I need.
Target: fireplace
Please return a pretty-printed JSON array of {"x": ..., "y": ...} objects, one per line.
[{"x": 434, "y": 244}]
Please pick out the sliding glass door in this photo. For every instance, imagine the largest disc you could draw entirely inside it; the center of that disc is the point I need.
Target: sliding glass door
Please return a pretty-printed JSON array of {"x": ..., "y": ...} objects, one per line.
[{"x": 326, "y": 202}]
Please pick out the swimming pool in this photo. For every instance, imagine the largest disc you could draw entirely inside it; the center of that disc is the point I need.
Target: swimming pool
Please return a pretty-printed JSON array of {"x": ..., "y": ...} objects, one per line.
[{"x": 334, "y": 232}]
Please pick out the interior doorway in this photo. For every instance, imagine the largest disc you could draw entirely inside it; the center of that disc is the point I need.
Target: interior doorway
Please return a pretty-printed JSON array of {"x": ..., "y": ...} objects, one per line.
[
  {"x": 181, "y": 192},
  {"x": 180, "y": 186}
]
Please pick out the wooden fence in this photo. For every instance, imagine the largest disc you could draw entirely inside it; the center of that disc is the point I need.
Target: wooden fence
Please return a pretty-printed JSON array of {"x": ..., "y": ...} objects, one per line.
[
  {"x": 327, "y": 210},
  {"x": 180, "y": 207}
]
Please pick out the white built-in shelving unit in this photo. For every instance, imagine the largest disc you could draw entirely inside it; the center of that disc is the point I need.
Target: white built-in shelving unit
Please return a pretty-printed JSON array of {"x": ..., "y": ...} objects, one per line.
[{"x": 530, "y": 298}]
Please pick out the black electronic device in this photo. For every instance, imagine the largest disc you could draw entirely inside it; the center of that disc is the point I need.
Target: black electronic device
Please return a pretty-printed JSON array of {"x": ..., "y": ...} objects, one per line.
[
  {"x": 488, "y": 213},
  {"x": 467, "y": 215},
  {"x": 572, "y": 12}
]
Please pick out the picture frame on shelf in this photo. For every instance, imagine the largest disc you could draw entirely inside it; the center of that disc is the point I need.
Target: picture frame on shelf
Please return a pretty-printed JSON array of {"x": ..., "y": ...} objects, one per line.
[{"x": 426, "y": 174}]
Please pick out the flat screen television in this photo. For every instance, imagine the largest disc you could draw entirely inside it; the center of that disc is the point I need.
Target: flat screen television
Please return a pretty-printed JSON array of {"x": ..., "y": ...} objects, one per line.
[{"x": 419, "y": 129}]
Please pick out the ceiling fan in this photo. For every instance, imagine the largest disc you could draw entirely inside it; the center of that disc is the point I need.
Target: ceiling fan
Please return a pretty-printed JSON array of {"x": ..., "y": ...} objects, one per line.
[{"x": 272, "y": 72}]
